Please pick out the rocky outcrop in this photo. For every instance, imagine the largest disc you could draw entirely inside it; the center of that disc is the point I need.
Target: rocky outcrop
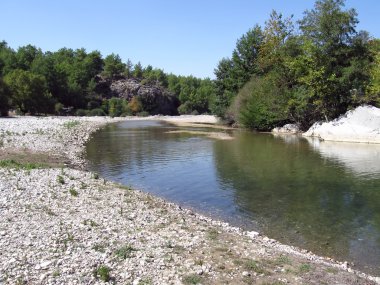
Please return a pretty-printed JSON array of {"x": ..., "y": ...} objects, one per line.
[
  {"x": 155, "y": 98},
  {"x": 287, "y": 129},
  {"x": 359, "y": 125}
]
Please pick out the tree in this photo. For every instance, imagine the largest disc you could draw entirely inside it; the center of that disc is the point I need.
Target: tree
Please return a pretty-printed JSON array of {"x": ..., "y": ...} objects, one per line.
[
  {"x": 138, "y": 70},
  {"x": 29, "y": 92},
  {"x": 26, "y": 55},
  {"x": 128, "y": 68},
  {"x": 245, "y": 55},
  {"x": 335, "y": 57},
  {"x": 7, "y": 59},
  {"x": 232, "y": 74},
  {"x": 373, "y": 91},
  {"x": 276, "y": 33},
  {"x": 113, "y": 66},
  {"x": 4, "y": 98}
]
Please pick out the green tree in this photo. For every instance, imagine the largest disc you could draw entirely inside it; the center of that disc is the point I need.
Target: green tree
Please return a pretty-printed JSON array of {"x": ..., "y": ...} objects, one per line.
[
  {"x": 337, "y": 57},
  {"x": 4, "y": 98},
  {"x": 232, "y": 74},
  {"x": 373, "y": 91},
  {"x": 29, "y": 92},
  {"x": 113, "y": 66},
  {"x": 26, "y": 55},
  {"x": 128, "y": 68},
  {"x": 7, "y": 58},
  {"x": 262, "y": 103},
  {"x": 138, "y": 70}
]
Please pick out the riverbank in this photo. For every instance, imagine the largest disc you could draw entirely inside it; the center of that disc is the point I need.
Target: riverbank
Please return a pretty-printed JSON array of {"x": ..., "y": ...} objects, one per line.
[{"x": 65, "y": 226}]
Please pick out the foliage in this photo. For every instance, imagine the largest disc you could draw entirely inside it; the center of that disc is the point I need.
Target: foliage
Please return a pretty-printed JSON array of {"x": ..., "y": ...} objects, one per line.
[
  {"x": 232, "y": 74},
  {"x": 373, "y": 89},
  {"x": 96, "y": 112},
  {"x": 10, "y": 163},
  {"x": 103, "y": 273},
  {"x": 135, "y": 105},
  {"x": 315, "y": 74},
  {"x": 113, "y": 66},
  {"x": 262, "y": 108},
  {"x": 124, "y": 252},
  {"x": 68, "y": 81},
  {"x": 4, "y": 98},
  {"x": 28, "y": 91}
]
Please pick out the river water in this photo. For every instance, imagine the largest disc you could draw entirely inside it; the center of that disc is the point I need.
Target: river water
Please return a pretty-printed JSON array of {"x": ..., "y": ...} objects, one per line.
[{"x": 320, "y": 196}]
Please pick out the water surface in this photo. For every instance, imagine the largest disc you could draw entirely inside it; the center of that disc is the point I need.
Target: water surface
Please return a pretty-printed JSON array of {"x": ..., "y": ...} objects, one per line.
[{"x": 321, "y": 196}]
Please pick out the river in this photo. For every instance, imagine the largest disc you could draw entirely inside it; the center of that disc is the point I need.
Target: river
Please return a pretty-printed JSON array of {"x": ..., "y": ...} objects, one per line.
[{"x": 320, "y": 196}]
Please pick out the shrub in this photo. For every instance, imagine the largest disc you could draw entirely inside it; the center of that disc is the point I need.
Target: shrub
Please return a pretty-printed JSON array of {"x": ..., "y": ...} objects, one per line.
[
  {"x": 81, "y": 113},
  {"x": 142, "y": 114},
  {"x": 96, "y": 112},
  {"x": 58, "y": 108},
  {"x": 103, "y": 273},
  {"x": 124, "y": 252},
  {"x": 263, "y": 105},
  {"x": 185, "y": 108}
]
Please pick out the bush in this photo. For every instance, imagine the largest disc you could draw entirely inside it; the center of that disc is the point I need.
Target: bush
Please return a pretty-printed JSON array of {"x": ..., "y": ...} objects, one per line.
[
  {"x": 81, "y": 112},
  {"x": 58, "y": 108},
  {"x": 142, "y": 114},
  {"x": 264, "y": 105},
  {"x": 185, "y": 108},
  {"x": 96, "y": 112}
]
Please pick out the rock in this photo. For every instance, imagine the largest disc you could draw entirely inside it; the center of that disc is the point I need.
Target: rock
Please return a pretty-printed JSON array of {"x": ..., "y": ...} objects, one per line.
[
  {"x": 246, "y": 274},
  {"x": 155, "y": 98},
  {"x": 287, "y": 129},
  {"x": 359, "y": 125}
]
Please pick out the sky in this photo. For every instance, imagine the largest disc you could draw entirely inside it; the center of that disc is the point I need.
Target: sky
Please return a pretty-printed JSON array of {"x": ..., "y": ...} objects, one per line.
[{"x": 178, "y": 36}]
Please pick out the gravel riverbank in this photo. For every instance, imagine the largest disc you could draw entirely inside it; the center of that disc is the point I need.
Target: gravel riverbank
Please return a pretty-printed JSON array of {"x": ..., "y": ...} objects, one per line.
[{"x": 60, "y": 225}]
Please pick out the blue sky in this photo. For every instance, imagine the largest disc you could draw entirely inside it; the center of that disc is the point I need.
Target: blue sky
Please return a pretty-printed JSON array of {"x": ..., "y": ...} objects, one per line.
[{"x": 182, "y": 37}]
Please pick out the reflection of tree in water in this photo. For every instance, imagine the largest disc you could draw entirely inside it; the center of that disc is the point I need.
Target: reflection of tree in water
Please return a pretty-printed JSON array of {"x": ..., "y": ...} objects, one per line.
[
  {"x": 139, "y": 144},
  {"x": 299, "y": 197}
]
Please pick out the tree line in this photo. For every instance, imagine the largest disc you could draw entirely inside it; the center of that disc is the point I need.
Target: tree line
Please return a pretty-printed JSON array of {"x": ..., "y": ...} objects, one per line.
[
  {"x": 301, "y": 71},
  {"x": 287, "y": 71},
  {"x": 36, "y": 82}
]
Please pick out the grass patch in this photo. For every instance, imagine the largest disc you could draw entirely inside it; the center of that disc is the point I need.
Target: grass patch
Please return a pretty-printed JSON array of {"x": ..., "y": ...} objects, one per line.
[
  {"x": 124, "y": 252},
  {"x": 73, "y": 192},
  {"x": 253, "y": 265},
  {"x": 103, "y": 273},
  {"x": 90, "y": 223},
  {"x": 49, "y": 211},
  {"x": 99, "y": 247},
  {"x": 10, "y": 163},
  {"x": 304, "y": 268},
  {"x": 212, "y": 234},
  {"x": 191, "y": 279},
  {"x": 60, "y": 179},
  {"x": 283, "y": 259},
  {"x": 332, "y": 270},
  {"x": 71, "y": 124},
  {"x": 145, "y": 281}
]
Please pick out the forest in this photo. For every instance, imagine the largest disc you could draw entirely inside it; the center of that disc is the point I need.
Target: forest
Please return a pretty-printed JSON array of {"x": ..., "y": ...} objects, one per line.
[{"x": 288, "y": 71}]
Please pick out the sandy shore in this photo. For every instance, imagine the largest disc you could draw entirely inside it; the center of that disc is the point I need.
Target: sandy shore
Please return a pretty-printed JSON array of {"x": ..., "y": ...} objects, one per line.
[{"x": 66, "y": 226}]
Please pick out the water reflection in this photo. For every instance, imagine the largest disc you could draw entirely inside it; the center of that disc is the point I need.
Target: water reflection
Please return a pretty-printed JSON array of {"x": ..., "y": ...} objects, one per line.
[
  {"x": 324, "y": 197},
  {"x": 362, "y": 159}
]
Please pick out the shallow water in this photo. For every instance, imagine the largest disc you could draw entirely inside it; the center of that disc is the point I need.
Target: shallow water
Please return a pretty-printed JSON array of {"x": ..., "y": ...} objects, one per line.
[{"x": 321, "y": 196}]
